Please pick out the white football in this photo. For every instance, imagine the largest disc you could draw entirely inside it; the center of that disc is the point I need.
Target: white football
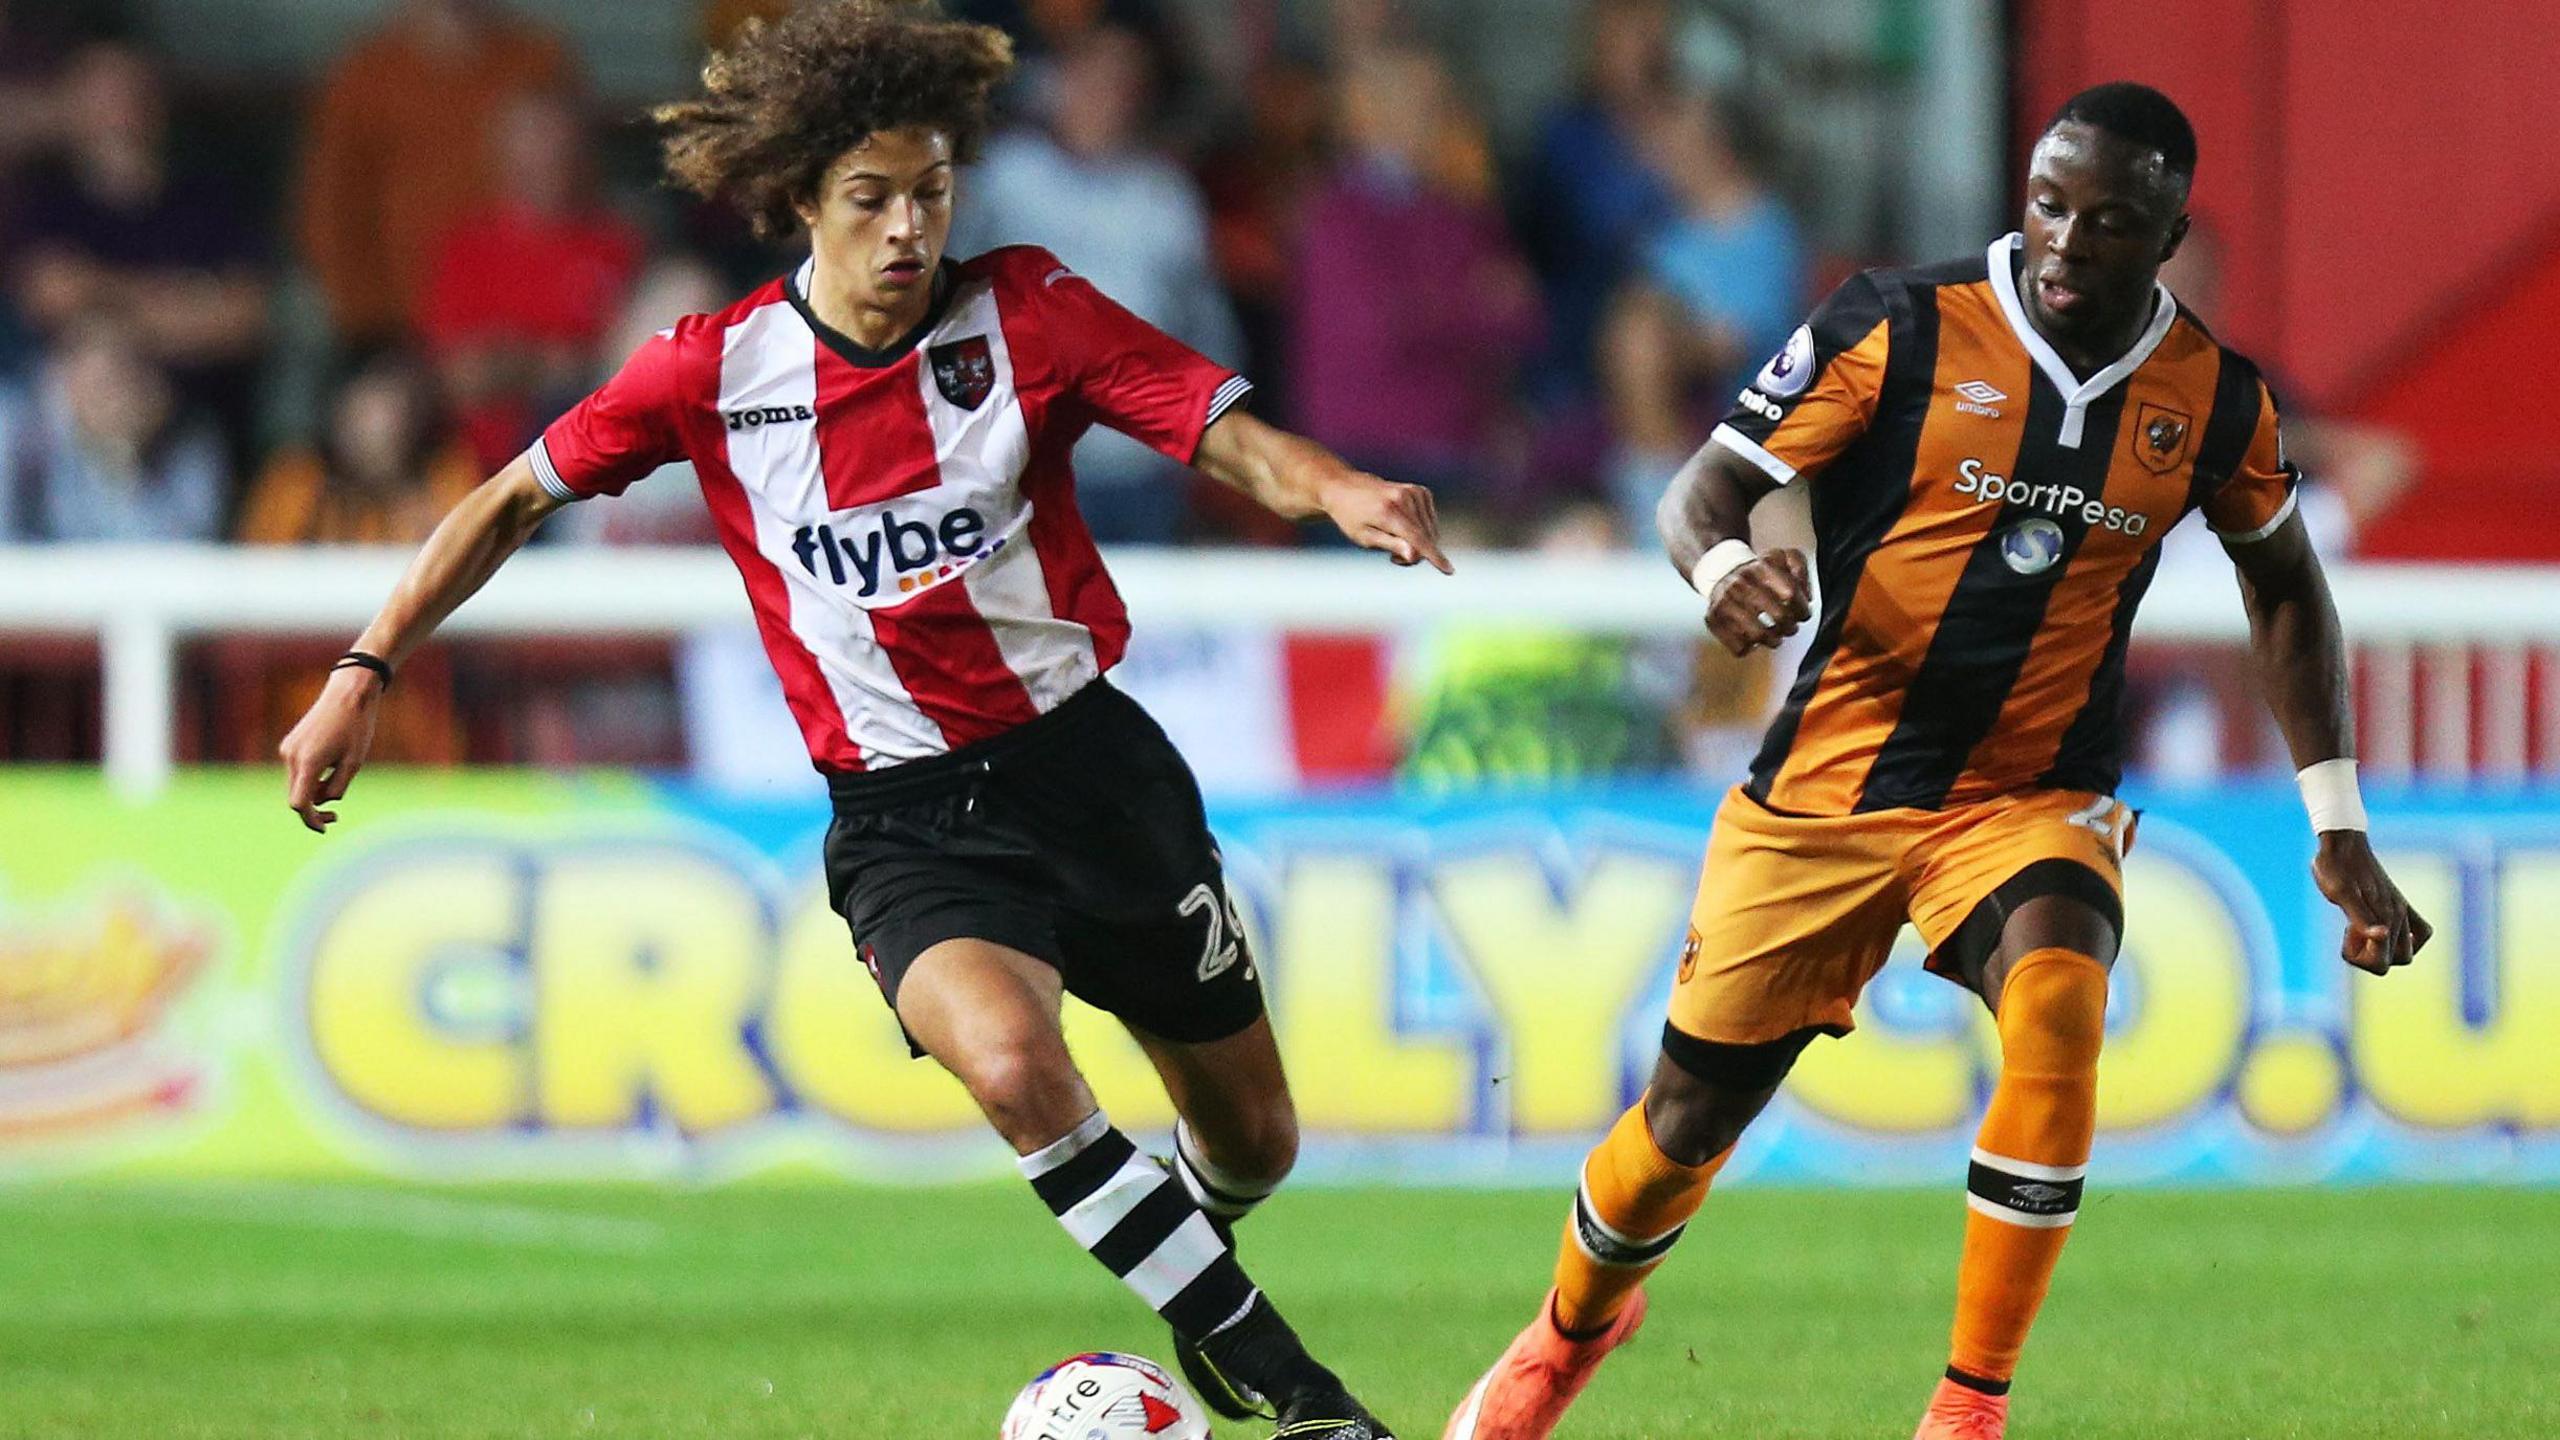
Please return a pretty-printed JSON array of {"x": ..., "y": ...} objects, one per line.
[{"x": 1105, "y": 1397}]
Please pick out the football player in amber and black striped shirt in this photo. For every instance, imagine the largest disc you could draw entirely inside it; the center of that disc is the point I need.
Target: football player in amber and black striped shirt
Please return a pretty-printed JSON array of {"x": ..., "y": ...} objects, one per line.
[{"x": 1994, "y": 448}]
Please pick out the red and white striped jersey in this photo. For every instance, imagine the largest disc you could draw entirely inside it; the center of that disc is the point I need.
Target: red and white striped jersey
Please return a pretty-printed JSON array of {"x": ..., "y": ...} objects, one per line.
[{"x": 904, "y": 518}]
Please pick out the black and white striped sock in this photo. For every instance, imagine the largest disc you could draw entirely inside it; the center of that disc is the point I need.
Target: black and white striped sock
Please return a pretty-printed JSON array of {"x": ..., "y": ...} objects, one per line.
[
  {"x": 1224, "y": 1196},
  {"x": 1143, "y": 1225}
]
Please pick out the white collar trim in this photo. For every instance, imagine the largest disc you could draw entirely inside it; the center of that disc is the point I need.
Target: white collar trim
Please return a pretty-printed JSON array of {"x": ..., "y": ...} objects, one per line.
[{"x": 2076, "y": 392}]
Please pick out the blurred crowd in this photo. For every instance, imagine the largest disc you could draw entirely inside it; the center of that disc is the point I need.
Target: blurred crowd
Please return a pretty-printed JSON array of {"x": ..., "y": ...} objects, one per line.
[
  {"x": 1540, "y": 337},
  {"x": 462, "y": 239}
]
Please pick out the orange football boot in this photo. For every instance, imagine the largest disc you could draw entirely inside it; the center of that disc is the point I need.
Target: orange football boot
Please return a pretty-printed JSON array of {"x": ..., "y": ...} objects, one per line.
[
  {"x": 1526, "y": 1392},
  {"x": 1960, "y": 1412}
]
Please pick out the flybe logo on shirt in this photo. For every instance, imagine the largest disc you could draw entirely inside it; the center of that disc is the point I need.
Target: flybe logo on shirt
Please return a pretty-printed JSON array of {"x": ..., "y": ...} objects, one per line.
[
  {"x": 894, "y": 553},
  {"x": 1988, "y": 487}
]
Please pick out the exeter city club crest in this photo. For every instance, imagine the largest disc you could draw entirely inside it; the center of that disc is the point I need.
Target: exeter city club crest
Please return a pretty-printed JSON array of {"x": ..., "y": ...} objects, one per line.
[{"x": 964, "y": 370}]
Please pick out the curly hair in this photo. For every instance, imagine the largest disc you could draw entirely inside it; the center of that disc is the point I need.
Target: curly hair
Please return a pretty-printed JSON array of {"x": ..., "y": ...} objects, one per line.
[{"x": 785, "y": 100}]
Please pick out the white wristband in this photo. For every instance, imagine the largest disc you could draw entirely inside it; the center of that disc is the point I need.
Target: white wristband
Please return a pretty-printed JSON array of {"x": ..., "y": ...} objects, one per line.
[
  {"x": 1722, "y": 559},
  {"x": 2329, "y": 793}
]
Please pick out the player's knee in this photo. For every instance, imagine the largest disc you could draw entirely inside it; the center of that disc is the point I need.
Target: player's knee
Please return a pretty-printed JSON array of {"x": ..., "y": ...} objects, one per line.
[
  {"x": 1268, "y": 1150},
  {"x": 1027, "y": 1087},
  {"x": 1255, "y": 1144},
  {"x": 2053, "y": 1010},
  {"x": 1705, "y": 1093},
  {"x": 1693, "y": 1121}
]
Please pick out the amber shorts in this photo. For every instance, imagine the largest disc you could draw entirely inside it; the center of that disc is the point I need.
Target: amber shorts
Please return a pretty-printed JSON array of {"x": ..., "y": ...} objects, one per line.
[{"x": 1795, "y": 914}]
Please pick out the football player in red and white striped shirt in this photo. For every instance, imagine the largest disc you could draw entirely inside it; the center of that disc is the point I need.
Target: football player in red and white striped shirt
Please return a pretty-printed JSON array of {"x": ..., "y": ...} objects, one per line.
[{"x": 882, "y": 437}]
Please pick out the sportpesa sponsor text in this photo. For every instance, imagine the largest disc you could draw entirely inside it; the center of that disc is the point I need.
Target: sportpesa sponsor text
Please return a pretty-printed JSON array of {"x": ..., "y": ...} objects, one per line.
[{"x": 1988, "y": 487}]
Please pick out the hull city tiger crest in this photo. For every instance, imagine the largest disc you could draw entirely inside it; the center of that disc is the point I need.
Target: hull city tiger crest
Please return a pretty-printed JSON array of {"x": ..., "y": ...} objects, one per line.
[
  {"x": 2160, "y": 438},
  {"x": 964, "y": 371}
]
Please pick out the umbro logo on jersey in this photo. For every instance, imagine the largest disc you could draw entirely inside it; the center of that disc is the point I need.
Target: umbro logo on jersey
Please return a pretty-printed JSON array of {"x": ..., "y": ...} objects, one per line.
[
  {"x": 767, "y": 415},
  {"x": 911, "y": 554},
  {"x": 1977, "y": 397}
]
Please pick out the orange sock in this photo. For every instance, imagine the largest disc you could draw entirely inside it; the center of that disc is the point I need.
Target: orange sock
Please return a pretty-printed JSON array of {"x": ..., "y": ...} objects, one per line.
[
  {"x": 1634, "y": 1202},
  {"x": 2030, "y": 1158}
]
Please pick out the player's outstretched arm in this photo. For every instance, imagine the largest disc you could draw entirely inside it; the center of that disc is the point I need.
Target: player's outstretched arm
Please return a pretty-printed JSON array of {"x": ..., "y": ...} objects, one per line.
[
  {"x": 1705, "y": 519},
  {"x": 325, "y": 749},
  {"x": 2302, "y": 665},
  {"x": 1293, "y": 476}
]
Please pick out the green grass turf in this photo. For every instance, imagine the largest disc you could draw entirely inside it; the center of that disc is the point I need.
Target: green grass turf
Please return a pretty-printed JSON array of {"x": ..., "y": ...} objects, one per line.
[{"x": 282, "y": 1311}]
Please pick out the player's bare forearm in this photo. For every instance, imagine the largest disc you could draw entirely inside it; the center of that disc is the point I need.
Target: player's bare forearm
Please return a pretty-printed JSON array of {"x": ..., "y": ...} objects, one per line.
[
  {"x": 2302, "y": 665},
  {"x": 1752, "y": 601},
  {"x": 1283, "y": 473},
  {"x": 1295, "y": 477},
  {"x": 325, "y": 749},
  {"x": 473, "y": 540},
  {"x": 2301, "y": 652},
  {"x": 1710, "y": 500}
]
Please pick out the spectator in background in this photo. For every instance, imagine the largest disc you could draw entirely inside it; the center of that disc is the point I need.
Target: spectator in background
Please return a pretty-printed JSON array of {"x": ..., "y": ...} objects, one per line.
[
  {"x": 29, "y": 121},
  {"x": 108, "y": 224},
  {"x": 1592, "y": 192},
  {"x": 1353, "y": 28},
  {"x": 1256, "y": 184},
  {"x": 522, "y": 288},
  {"x": 723, "y": 19},
  {"x": 666, "y": 508},
  {"x": 1045, "y": 31},
  {"x": 1087, "y": 187},
  {"x": 1719, "y": 283},
  {"x": 105, "y": 448},
  {"x": 29, "y": 58},
  {"x": 1045, "y": 28},
  {"x": 386, "y": 470},
  {"x": 399, "y": 150},
  {"x": 1412, "y": 311}
]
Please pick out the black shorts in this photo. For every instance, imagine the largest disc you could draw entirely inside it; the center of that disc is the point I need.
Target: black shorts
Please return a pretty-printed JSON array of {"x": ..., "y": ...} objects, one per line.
[{"x": 1077, "y": 838}]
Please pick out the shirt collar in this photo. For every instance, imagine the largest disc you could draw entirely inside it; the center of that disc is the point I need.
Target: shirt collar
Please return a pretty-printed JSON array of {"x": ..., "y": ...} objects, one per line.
[{"x": 2076, "y": 392}]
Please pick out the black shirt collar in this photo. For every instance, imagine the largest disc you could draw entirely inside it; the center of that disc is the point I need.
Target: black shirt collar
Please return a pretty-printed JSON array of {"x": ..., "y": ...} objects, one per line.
[{"x": 945, "y": 282}]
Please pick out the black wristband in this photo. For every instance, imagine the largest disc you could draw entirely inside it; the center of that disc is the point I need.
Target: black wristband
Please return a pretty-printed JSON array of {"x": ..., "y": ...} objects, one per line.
[{"x": 363, "y": 660}]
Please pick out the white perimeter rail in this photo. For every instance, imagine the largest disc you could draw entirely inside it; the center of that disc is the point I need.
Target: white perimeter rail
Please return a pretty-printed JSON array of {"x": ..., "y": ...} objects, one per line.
[{"x": 2451, "y": 656}]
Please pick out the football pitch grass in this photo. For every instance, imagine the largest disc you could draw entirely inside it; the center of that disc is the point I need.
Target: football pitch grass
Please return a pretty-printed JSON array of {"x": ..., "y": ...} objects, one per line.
[{"x": 330, "y": 1311}]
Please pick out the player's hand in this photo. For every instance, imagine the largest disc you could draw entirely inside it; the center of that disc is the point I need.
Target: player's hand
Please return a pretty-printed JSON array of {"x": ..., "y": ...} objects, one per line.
[
  {"x": 1761, "y": 603},
  {"x": 1383, "y": 515},
  {"x": 328, "y": 745},
  {"x": 2382, "y": 931}
]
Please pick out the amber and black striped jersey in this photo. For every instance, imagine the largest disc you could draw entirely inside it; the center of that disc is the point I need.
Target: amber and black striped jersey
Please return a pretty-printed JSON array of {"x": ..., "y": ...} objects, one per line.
[{"x": 1985, "y": 522}]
